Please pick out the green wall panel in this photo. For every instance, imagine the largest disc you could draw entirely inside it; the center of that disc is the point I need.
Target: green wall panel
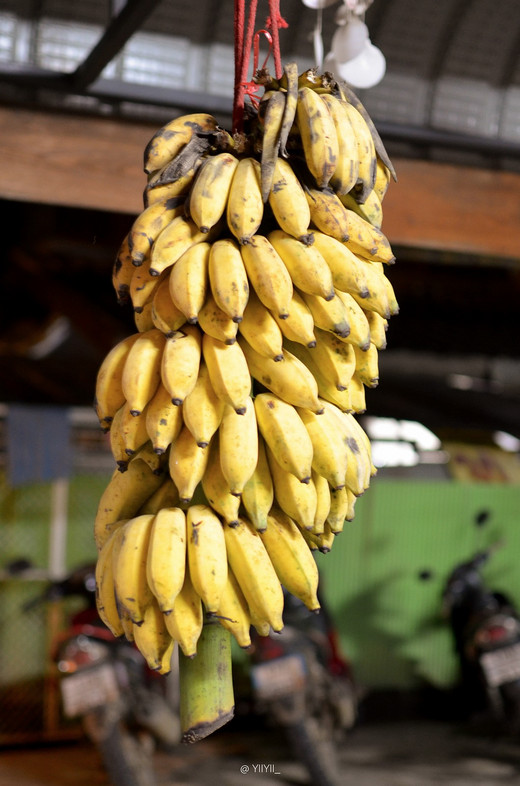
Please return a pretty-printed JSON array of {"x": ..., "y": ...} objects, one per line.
[{"x": 389, "y": 619}]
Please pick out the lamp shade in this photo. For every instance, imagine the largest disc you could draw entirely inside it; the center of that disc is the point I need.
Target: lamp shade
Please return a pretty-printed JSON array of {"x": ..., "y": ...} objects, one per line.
[
  {"x": 365, "y": 70},
  {"x": 349, "y": 39}
]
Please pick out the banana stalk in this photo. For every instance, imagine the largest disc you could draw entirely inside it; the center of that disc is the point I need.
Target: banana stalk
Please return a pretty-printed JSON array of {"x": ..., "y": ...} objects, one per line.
[{"x": 206, "y": 687}]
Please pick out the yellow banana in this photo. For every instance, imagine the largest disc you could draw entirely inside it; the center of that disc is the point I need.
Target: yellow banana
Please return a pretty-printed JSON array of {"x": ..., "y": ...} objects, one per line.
[
  {"x": 238, "y": 440},
  {"x": 359, "y": 334},
  {"x": 318, "y": 135},
  {"x": 142, "y": 286},
  {"x": 323, "y": 492},
  {"x": 382, "y": 181},
  {"x": 154, "y": 641},
  {"x": 357, "y": 395},
  {"x": 378, "y": 295},
  {"x": 168, "y": 141},
  {"x": 148, "y": 226},
  {"x": 109, "y": 396},
  {"x": 216, "y": 488},
  {"x": 328, "y": 214},
  {"x": 117, "y": 445},
  {"x": 166, "y": 560},
  {"x": 185, "y": 621},
  {"x": 339, "y": 507},
  {"x": 143, "y": 319},
  {"x": 330, "y": 456},
  {"x": 285, "y": 434},
  {"x": 132, "y": 429},
  {"x": 165, "y": 315},
  {"x": 202, "y": 409},
  {"x": 298, "y": 500},
  {"x": 289, "y": 379},
  {"x": 291, "y": 557},
  {"x": 122, "y": 272},
  {"x": 215, "y": 322},
  {"x": 359, "y": 467},
  {"x": 260, "y": 328},
  {"x": 371, "y": 209},
  {"x": 207, "y": 556},
  {"x": 378, "y": 326},
  {"x": 245, "y": 207},
  {"x": 131, "y": 586},
  {"x": 367, "y": 240},
  {"x": 268, "y": 275},
  {"x": 299, "y": 325},
  {"x": 351, "y": 506},
  {"x": 228, "y": 278},
  {"x": 367, "y": 365},
  {"x": 233, "y": 612},
  {"x": 289, "y": 204},
  {"x": 255, "y": 573},
  {"x": 123, "y": 496},
  {"x": 272, "y": 126},
  {"x": 328, "y": 315},
  {"x": 166, "y": 496},
  {"x": 174, "y": 185},
  {"x": 163, "y": 419},
  {"x": 258, "y": 493},
  {"x": 345, "y": 174},
  {"x": 209, "y": 193},
  {"x": 174, "y": 240},
  {"x": 228, "y": 371},
  {"x": 105, "y": 591},
  {"x": 348, "y": 272},
  {"x": 187, "y": 463},
  {"x": 366, "y": 153},
  {"x": 188, "y": 280},
  {"x": 326, "y": 388},
  {"x": 180, "y": 362},
  {"x": 307, "y": 268},
  {"x": 142, "y": 369},
  {"x": 156, "y": 461},
  {"x": 290, "y": 84},
  {"x": 326, "y": 539},
  {"x": 335, "y": 358}
]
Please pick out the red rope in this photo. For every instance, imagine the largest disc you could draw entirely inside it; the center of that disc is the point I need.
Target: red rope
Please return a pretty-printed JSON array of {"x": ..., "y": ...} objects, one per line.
[{"x": 245, "y": 39}]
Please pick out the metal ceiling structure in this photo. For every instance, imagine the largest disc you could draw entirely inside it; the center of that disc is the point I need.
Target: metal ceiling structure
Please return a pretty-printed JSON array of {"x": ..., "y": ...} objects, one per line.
[{"x": 452, "y": 86}]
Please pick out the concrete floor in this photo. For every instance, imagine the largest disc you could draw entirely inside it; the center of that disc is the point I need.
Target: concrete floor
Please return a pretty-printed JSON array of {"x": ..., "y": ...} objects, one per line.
[{"x": 400, "y": 753}]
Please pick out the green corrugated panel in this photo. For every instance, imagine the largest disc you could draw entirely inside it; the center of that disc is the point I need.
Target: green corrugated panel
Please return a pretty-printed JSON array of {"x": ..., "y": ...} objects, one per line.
[{"x": 389, "y": 619}]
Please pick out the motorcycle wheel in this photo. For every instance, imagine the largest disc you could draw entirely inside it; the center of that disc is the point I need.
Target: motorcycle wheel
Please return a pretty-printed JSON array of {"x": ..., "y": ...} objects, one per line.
[
  {"x": 127, "y": 757},
  {"x": 313, "y": 745}
]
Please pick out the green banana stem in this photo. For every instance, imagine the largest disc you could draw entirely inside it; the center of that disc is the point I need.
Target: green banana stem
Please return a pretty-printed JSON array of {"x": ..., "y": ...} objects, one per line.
[{"x": 206, "y": 685}]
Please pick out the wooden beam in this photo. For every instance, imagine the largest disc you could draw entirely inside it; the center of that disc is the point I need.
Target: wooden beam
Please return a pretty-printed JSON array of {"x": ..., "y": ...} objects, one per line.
[
  {"x": 454, "y": 208},
  {"x": 93, "y": 162}
]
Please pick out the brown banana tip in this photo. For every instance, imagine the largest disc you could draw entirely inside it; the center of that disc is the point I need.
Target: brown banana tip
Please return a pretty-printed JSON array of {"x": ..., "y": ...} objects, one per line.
[
  {"x": 122, "y": 466},
  {"x": 330, "y": 296},
  {"x": 341, "y": 387},
  {"x": 202, "y": 444},
  {"x": 185, "y": 500},
  {"x": 204, "y": 230},
  {"x": 153, "y": 272},
  {"x": 176, "y": 402},
  {"x": 192, "y": 320},
  {"x": 307, "y": 239},
  {"x": 135, "y": 413},
  {"x": 324, "y": 549},
  {"x": 237, "y": 319},
  {"x": 311, "y": 344},
  {"x": 138, "y": 309},
  {"x": 306, "y": 480},
  {"x": 283, "y": 316},
  {"x": 240, "y": 410},
  {"x": 277, "y": 358},
  {"x": 129, "y": 451},
  {"x": 159, "y": 451},
  {"x": 320, "y": 411},
  {"x": 230, "y": 341}
]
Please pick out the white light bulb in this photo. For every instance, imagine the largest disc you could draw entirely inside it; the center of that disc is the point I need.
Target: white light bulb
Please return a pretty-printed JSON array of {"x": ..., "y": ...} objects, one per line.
[
  {"x": 349, "y": 39},
  {"x": 318, "y": 3},
  {"x": 365, "y": 70}
]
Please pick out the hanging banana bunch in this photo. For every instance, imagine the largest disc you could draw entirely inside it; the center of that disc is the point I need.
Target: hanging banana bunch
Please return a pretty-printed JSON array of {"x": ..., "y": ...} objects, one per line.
[{"x": 257, "y": 276}]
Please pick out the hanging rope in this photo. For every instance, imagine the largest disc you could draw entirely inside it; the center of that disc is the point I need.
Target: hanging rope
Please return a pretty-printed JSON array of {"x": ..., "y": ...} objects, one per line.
[{"x": 245, "y": 40}]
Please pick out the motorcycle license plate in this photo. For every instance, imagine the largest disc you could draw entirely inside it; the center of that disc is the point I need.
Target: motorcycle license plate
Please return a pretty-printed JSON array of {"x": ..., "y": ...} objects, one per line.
[
  {"x": 88, "y": 689},
  {"x": 502, "y": 665},
  {"x": 278, "y": 677}
]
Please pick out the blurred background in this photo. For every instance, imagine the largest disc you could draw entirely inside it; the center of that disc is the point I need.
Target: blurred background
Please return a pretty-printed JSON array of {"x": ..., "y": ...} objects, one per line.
[{"x": 82, "y": 89}]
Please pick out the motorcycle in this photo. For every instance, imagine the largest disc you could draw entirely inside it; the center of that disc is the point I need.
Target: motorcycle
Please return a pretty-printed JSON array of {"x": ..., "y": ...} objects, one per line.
[
  {"x": 486, "y": 631},
  {"x": 124, "y": 707},
  {"x": 301, "y": 680}
]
